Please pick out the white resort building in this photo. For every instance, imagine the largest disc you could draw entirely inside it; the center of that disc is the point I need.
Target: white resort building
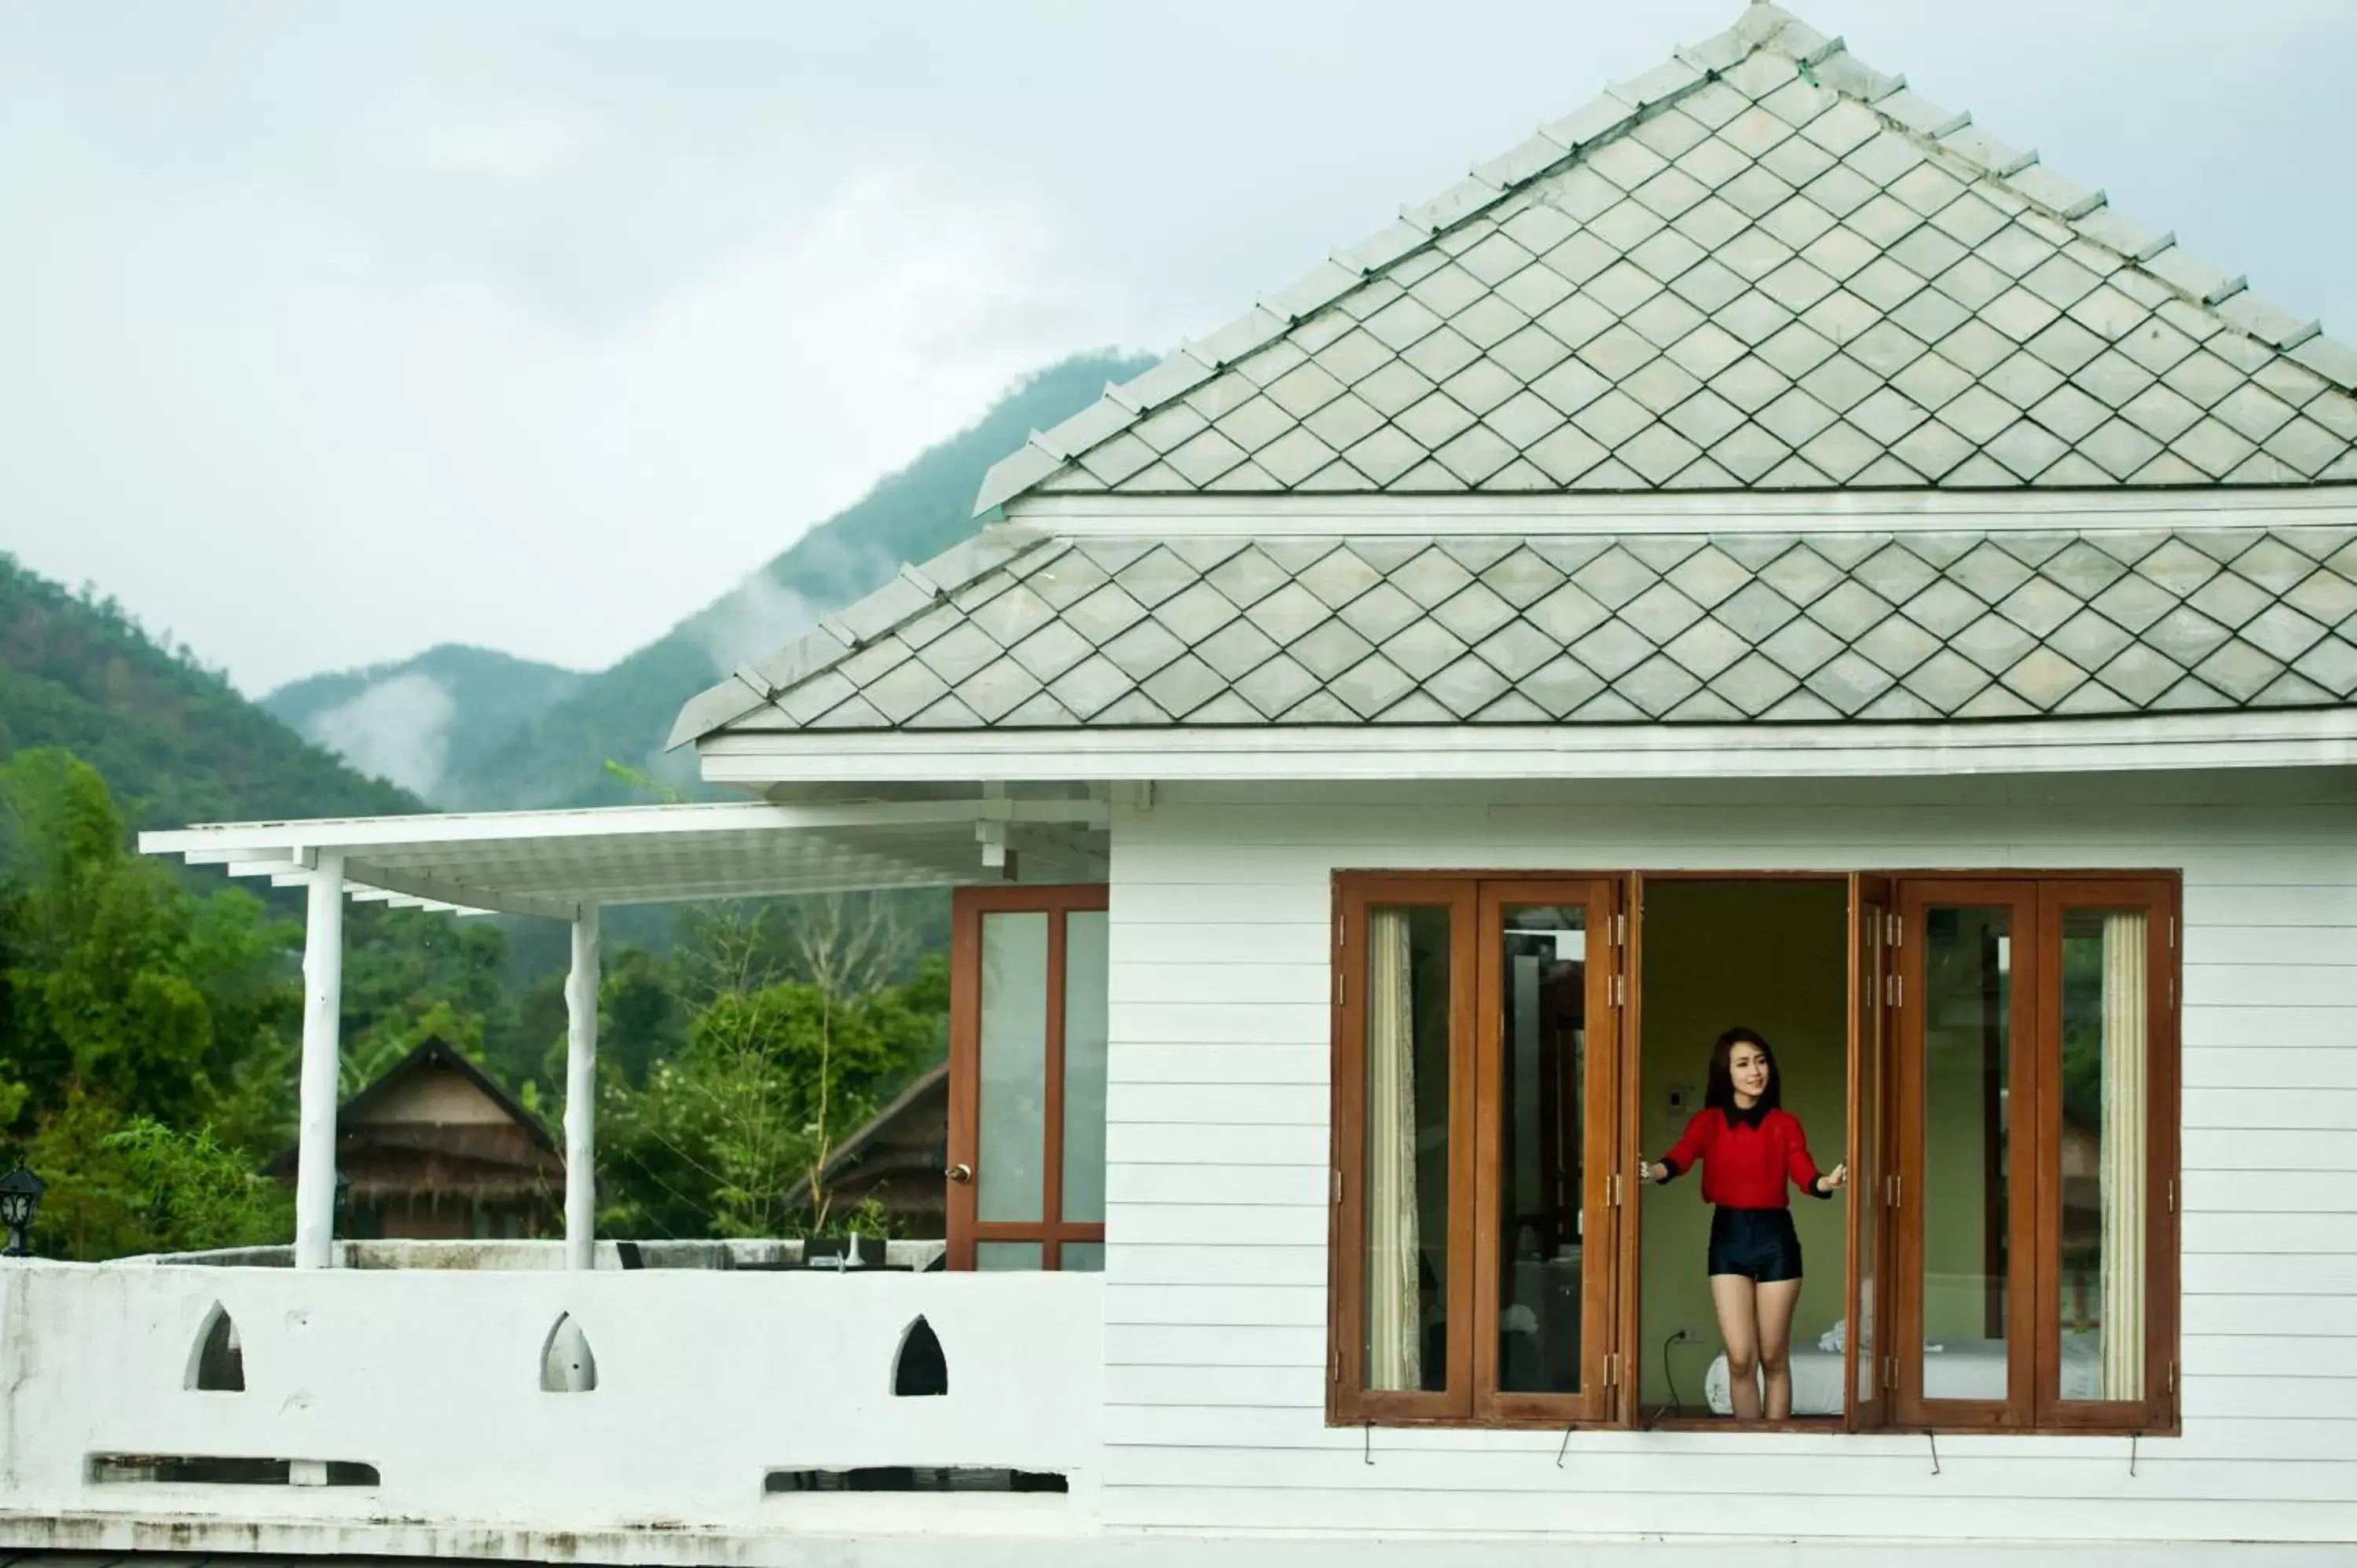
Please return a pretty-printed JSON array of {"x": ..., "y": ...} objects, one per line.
[{"x": 1762, "y": 551}]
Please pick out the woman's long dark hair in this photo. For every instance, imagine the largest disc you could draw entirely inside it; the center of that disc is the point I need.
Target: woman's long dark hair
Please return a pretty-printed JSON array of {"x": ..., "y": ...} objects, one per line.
[{"x": 1720, "y": 1096}]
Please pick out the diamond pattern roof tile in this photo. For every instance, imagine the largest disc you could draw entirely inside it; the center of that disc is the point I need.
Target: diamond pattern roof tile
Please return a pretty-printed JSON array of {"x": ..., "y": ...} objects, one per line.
[
  {"x": 1792, "y": 201},
  {"x": 1683, "y": 628}
]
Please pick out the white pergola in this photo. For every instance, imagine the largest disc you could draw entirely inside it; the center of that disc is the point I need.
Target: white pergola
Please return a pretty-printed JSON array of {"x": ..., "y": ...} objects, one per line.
[{"x": 566, "y": 866}]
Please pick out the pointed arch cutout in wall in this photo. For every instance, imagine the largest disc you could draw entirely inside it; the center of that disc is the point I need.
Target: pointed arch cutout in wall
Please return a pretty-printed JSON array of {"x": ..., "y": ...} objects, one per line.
[
  {"x": 217, "y": 1362},
  {"x": 566, "y": 1365},
  {"x": 921, "y": 1368}
]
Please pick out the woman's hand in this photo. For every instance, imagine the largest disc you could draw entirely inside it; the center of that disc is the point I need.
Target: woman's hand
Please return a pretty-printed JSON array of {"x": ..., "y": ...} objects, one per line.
[
  {"x": 1649, "y": 1173},
  {"x": 1834, "y": 1179}
]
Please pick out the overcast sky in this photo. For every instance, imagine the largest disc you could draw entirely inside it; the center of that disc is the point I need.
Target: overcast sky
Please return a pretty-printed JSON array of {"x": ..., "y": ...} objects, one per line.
[{"x": 329, "y": 332}]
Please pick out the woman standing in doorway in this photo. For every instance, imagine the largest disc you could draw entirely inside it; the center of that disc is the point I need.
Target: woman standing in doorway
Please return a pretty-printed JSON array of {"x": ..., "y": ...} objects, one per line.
[{"x": 1749, "y": 1147}]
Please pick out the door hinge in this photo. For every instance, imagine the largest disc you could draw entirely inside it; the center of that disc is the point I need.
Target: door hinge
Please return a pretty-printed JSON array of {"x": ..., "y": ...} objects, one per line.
[
  {"x": 2172, "y": 1195},
  {"x": 1337, "y": 985},
  {"x": 2172, "y": 1379},
  {"x": 1890, "y": 1374},
  {"x": 1619, "y": 990},
  {"x": 1338, "y": 1183},
  {"x": 1615, "y": 1193},
  {"x": 1612, "y": 1369},
  {"x": 2172, "y": 933},
  {"x": 1334, "y": 1374},
  {"x": 1619, "y": 930},
  {"x": 1892, "y": 989},
  {"x": 1893, "y": 1192},
  {"x": 1893, "y": 930}
]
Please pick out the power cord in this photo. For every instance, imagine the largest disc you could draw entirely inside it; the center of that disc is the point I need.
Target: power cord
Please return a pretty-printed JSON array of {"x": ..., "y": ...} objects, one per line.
[{"x": 1677, "y": 1336}]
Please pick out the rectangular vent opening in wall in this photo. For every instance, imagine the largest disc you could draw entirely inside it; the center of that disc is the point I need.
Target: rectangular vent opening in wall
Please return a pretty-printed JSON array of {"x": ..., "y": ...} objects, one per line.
[
  {"x": 915, "y": 1479},
  {"x": 213, "y": 1470}
]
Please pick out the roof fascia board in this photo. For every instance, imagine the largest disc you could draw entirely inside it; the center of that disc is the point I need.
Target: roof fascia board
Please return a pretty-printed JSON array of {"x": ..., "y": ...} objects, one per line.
[
  {"x": 881, "y": 881},
  {"x": 1899, "y": 511},
  {"x": 2291, "y": 738},
  {"x": 292, "y": 838}
]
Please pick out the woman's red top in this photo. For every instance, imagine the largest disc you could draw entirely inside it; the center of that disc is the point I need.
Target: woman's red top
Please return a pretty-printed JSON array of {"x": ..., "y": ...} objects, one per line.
[{"x": 1747, "y": 1156}]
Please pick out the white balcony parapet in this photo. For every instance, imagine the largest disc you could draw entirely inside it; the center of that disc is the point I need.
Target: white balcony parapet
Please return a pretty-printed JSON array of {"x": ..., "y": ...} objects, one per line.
[{"x": 410, "y": 1409}]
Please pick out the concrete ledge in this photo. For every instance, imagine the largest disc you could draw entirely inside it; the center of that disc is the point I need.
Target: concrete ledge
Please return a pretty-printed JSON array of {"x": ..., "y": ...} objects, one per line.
[
  {"x": 498, "y": 1257},
  {"x": 89, "y": 1540}
]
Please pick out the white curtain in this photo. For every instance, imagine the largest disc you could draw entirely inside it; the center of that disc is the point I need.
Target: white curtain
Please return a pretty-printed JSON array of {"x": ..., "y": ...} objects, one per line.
[
  {"x": 2126, "y": 997},
  {"x": 1394, "y": 1327}
]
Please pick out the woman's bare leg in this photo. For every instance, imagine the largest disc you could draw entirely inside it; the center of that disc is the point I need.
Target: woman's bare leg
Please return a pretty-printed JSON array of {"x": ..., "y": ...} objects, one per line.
[
  {"x": 1731, "y": 1298},
  {"x": 1776, "y": 1303}
]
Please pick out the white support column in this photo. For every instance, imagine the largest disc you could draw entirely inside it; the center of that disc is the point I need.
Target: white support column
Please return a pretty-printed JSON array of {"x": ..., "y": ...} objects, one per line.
[
  {"x": 581, "y": 1094},
  {"x": 323, "y": 999}
]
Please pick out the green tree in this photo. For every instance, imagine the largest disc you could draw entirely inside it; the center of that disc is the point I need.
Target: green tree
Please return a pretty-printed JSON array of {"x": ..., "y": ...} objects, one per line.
[
  {"x": 125, "y": 998},
  {"x": 725, "y": 1137}
]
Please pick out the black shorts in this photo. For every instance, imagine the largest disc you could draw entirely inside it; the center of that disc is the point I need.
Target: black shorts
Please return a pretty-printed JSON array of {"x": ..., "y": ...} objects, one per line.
[{"x": 1758, "y": 1243}]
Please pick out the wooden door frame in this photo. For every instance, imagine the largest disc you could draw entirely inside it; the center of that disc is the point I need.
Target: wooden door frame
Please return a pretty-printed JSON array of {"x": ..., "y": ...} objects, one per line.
[
  {"x": 1629, "y": 1411},
  {"x": 1592, "y": 1404},
  {"x": 967, "y": 907}
]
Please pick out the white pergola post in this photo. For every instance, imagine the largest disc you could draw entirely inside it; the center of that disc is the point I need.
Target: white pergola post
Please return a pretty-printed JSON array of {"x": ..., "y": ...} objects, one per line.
[
  {"x": 323, "y": 998},
  {"x": 581, "y": 1094}
]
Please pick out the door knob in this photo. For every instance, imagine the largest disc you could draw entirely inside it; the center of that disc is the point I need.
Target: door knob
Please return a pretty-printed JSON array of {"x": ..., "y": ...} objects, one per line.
[{"x": 960, "y": 1173}]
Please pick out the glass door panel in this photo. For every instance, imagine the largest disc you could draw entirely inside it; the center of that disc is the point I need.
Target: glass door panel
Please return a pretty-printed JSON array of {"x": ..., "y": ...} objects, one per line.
[
  {"x": 1969, "y": 996},
  {"x": 1087, "y": 1033},
  {"x": 1009, "y": 1170},
  {"x": 1542, "y": 1048},
  {"x": 1408, "y": 1007}
]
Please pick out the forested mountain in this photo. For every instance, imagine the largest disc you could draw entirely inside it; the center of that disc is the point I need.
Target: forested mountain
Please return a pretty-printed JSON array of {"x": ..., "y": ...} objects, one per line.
[
  {"x": 173, "y": 740},
  {"x": 426, "y": 720},
  {"x": 624, "y": 713}
]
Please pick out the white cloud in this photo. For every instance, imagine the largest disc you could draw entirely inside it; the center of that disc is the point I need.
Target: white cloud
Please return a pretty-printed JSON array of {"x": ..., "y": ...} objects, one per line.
[
  {"x": 398, "y": 730},
  {"x": 299, "y": 454},
  {"x": 757, "y": 617}
]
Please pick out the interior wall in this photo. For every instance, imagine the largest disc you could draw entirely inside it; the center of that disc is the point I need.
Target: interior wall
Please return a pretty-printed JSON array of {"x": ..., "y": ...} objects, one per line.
[{"x": 1771, "y": 956}]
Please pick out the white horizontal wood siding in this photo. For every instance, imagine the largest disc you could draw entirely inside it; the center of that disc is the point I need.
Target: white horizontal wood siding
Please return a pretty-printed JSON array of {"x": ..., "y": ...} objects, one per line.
[{"x": 1215, "y": 1300}]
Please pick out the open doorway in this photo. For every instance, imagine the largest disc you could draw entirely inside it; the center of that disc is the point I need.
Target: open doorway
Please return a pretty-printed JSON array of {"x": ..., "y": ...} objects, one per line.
[{"x": 1769, "y": 954}]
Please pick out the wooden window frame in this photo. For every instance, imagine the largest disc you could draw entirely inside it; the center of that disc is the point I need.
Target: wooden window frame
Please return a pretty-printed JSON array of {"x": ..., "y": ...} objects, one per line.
[
  {"x": 1476, "y": 902},
  {"x": 2033, "y": 1405},
  {"x": 1886, "y": 978},
  {"x": 1050, "y": 1231},
  {"x": 2018, "y": 897},
  {"x": 2154, "y": 1414}
]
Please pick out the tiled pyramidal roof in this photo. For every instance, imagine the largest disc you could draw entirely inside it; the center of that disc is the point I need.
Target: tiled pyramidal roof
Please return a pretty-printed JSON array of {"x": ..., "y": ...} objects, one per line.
[
  {"x": 1763, "y": 265},
  {"x": 1018, "y": 630}
]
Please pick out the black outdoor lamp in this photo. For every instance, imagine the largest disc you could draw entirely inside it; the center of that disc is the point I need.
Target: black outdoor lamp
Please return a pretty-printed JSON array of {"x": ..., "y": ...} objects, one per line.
[{"x": 20, "y": 1200}]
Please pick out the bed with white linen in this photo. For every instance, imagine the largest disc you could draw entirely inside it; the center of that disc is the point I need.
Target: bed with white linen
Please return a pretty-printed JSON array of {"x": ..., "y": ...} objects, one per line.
[{"x": 1953, "y": 1369}]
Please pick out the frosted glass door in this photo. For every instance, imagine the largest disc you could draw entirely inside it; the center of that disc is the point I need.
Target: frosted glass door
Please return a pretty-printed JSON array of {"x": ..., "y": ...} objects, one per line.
[
  {"x": 1029, "y": 1035},
  {"x": 1009, "y": 1174}
]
